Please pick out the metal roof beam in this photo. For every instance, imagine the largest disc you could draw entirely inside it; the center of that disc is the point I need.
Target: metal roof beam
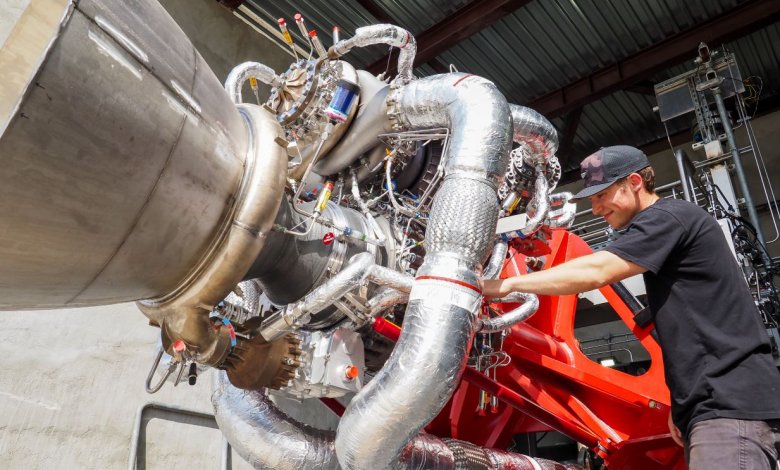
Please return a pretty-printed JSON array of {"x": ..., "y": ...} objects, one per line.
[
  {"x": 765, "y": 106},
  {"x": 377, "y": 11},
  {"x": 739, "y": 21},
  {"x": 456, "y": 27}
]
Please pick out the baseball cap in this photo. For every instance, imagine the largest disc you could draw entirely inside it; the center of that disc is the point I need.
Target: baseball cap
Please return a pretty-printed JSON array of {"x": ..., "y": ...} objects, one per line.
[{"x": 604, "y": 167}]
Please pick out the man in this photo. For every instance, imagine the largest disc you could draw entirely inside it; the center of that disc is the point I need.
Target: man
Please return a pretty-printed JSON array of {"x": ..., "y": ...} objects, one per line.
[{"x": 725, "y": 388}]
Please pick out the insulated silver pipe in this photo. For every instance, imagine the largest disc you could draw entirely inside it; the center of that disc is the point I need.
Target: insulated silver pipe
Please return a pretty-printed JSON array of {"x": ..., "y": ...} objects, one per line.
[
  {"x": 496, "y": 262},
  {"x": 426, "y": 365},
  {"x": 242, "y": 72},
  {"x": 266, "y": 437},
  {"x": 564, "y": 216},
  {"x": 382, "y": 34},
  {"x": 540, "y": 202},
  {"x": 362, "y": 267},
  {"x": 534, "y": 130},
  {"x": 530, "y": 304}
]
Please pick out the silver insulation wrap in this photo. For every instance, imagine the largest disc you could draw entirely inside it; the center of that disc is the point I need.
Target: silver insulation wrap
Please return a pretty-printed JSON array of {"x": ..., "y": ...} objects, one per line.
[
  {"x": 529, "y": 306},
  {"x": 428, "y": 360},
  {"x": 360, "y": 269},
  {"x": 266, "y": 437},
  {"x": 386, "y": 299},
  {"x": 382, "y": 34},
  {"x": 540, "y": 203},
  {"x": 472, "y": 108},
  {"x": 564, "y": 215},
  {"x": 496, "y": 261},
  {"x": 534, "y": 130},
  {"x": 242, "y": 72}
]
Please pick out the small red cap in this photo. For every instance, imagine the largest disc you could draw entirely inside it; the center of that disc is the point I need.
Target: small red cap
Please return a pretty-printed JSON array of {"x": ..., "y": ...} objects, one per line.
[
  {"x": 351, "y": 372},
  {"x": 313, "y": 33},
  {"x": 281, "y": 21},
  {"x": 179, "y": 346},
  {"x": 298, "y": 17},
  {"x": 336, "y": 28}
]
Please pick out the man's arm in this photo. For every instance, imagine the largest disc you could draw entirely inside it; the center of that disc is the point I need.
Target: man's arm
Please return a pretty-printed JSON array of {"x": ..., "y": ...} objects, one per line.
[{"x": 578, "y": 275}]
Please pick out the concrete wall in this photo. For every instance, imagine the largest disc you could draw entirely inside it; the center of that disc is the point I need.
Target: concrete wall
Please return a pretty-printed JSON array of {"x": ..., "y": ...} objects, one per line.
[{"x": 72, "y": 383}]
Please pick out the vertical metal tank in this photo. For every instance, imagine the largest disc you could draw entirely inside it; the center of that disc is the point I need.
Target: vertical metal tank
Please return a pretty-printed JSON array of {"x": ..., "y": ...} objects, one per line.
[{"x": 123, "y": 163}]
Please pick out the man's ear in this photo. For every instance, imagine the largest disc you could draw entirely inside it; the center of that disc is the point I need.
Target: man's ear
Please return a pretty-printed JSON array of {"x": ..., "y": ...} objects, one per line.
[{"x": 635, "y": 182}]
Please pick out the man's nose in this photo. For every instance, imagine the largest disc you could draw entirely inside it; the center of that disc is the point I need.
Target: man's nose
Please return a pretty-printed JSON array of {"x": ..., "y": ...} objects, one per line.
[{"x": 596, "y": 208}]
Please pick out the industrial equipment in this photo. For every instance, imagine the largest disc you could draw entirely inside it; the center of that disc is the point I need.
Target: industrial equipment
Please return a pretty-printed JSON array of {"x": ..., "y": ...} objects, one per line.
[
  {"x": 708, "y": 182},
  {"x": 326, "y": 243}
]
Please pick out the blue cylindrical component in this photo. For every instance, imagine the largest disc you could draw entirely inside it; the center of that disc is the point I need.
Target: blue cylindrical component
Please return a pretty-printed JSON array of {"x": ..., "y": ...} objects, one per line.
[{"x": 344, "y": 96}]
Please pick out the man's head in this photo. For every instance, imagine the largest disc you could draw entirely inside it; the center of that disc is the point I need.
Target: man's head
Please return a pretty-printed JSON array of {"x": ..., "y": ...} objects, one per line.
[{"x": 619, "y": 183}]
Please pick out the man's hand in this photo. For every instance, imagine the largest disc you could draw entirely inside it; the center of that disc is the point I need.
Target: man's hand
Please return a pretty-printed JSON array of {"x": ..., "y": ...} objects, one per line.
[
  {"x": 676, "y": 434},
  {"x": 495, "y": 289}
]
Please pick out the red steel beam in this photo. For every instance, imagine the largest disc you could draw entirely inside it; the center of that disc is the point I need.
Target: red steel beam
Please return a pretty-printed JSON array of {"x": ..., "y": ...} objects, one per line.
[
  {"x": 739, "y": 21},
  {"x": 456, "y": 27}
]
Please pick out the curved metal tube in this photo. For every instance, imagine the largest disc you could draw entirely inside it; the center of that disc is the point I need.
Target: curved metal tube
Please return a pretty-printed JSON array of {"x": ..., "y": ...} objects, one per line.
[
  {"x": 242, "y": 72},
  {"x": 534, "y": 130},
  {"x": 266, "y": 437},
  {"x": 541, "y": 202},
  {"x": 382, "y": 34},
  {"x": 530, "y": 304},
  {"x": 429, "y": 358},
  {"x": 564, "y": 216},
  {"x": 496, "y": 262},
  {"x": 362, "y": 267}
]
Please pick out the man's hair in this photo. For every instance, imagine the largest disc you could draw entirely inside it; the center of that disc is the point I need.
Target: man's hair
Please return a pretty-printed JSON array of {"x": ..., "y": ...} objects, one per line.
[{"x": 648, "y": 177}]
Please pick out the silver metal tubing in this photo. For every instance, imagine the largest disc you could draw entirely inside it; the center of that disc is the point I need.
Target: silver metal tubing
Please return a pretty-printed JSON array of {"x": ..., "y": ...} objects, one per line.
[
  {"x": 380, "y": 236},
  {"x": 497, "y": 259},
  {"x": 429, "y": 358},
  {"x": 530, "y": 304},
  {"x": 534, "y": 130},
  {"x": 384, "y": 300},
  {"x": 565, "y": 215},
  {"x": 382, "y": 34},
  {"x": 242, "y": 72},
  {"x": 362, "y": 267},
  {"x": 266, "y": 437},
  {"x": 540, "y": 203}
]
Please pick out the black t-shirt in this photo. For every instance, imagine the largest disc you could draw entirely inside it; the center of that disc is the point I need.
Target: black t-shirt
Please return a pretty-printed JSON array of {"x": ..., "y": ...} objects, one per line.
[{"x": 716, "y": 351}]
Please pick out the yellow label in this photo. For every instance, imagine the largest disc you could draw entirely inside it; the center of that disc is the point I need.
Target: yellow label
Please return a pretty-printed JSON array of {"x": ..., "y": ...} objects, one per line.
[
  {"x": 287, "y": 37},
  {"x": 253, "y": 82}
]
